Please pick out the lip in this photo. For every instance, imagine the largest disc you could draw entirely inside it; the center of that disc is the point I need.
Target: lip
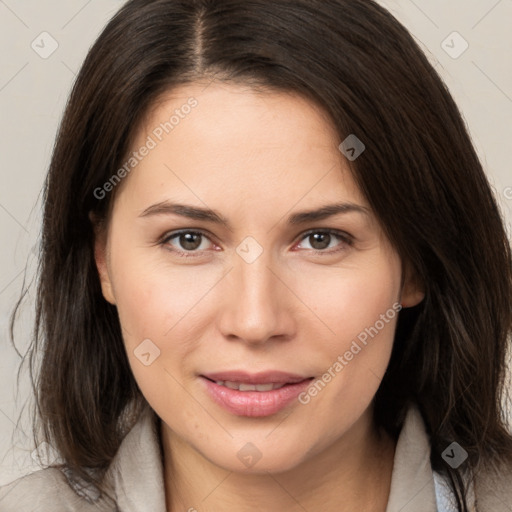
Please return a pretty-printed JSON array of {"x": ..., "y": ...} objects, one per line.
[
  {"x": 254, "y": 403},
  {"x": 266, "y": 377}
]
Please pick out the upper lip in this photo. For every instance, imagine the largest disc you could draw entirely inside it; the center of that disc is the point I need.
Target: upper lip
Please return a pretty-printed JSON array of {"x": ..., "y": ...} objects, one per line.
[{"x": 267, "y": 377}]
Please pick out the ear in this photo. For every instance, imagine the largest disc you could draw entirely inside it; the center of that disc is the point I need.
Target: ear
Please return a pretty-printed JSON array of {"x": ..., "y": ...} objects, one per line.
[
  {"x": 101, "y": 258},
  {"x": 413, "y": 290}
]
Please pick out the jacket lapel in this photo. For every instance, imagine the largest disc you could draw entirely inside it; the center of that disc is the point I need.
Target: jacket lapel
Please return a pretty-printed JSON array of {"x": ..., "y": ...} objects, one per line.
[
  {"x": 412, "y": 480},
  {"x": 136, "y": 472}
]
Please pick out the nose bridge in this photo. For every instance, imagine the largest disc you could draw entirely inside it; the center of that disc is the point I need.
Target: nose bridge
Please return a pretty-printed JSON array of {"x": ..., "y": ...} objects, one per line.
[
  {"x": 254, "y": 307},
  {"x": 255, "y": 284}
]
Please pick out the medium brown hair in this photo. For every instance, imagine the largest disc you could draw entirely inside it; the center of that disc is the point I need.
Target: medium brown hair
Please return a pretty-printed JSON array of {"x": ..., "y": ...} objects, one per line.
[{"x": 419, "y": 173}]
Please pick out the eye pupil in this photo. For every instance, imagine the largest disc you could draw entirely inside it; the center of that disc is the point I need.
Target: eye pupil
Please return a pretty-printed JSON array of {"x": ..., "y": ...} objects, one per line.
[
  {"x": 321, "y": 238},
  {"x": 190, "y": 241}
]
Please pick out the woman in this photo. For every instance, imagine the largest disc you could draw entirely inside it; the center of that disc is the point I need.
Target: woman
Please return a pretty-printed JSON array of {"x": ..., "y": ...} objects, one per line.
[{"x": 273, "y": 273}]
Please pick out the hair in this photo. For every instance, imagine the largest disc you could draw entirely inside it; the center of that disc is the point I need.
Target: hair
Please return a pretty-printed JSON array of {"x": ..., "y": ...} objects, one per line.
[{"x": 420, "y": 174}]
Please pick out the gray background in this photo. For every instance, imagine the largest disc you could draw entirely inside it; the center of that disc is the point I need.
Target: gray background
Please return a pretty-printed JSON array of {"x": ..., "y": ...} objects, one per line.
[{"x": 33, "y": 91}]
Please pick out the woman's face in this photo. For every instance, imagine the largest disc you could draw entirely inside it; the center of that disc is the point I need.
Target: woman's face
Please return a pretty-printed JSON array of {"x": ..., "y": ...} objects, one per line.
[{"x": 244, "y": 277}]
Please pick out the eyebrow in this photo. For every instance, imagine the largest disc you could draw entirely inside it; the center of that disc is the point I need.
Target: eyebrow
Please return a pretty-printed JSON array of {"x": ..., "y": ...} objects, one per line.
[{"x": 209, "y": 215}]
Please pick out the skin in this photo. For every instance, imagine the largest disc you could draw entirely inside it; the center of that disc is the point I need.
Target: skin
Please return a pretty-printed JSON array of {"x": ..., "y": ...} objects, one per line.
[{"x": 255, "y": 158}]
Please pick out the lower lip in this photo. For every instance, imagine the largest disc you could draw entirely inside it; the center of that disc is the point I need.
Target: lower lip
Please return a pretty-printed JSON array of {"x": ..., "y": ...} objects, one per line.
[{"x": 254, "y": 403}]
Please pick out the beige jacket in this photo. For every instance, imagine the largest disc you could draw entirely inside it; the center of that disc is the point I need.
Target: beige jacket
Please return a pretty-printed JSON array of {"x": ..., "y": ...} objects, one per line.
[{"x": 136, "y": 475}]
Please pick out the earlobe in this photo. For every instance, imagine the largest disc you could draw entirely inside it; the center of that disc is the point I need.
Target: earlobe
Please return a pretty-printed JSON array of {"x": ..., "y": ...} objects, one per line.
[
  {"x": 412, "y": 299},
  {"x": 101, "y": 259},
  {"x": 413, "y": 290}
]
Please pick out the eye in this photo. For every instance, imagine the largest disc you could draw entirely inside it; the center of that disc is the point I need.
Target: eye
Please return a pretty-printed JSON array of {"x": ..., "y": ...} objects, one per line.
[
  {"x": 320, "y": 240},
  {"x": 186, "y": 242},
  {"x": 190, "y": 243}
]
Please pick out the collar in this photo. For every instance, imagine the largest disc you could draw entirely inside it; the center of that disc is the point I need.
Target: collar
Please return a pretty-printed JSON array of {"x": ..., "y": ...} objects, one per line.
[
  {"x": 137, "y": 472},
  {"x": 412, "y": 481}
]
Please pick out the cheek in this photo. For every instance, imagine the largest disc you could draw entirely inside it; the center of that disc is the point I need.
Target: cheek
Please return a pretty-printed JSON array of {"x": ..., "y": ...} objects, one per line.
[
  {"x": 350, "y": 299},
  {"x": 149, "y": 293},
  {"x": 162, "y": 302},
  {"x": 156, "y": 308},
  {"x": 358, "y": 310}
]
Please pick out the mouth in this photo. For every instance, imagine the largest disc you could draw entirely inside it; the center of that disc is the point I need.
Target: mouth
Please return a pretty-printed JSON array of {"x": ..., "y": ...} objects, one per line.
[
  {"x": 267, "y": 377},
  {"x": 242, "y": 386},
  {"x": 245, "y": 398}
]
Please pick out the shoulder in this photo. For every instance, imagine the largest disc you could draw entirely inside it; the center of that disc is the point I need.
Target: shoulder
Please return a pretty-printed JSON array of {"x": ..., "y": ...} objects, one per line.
[
  {"x": 45, "y": 490},
  {"x": 493, "y": 488}
]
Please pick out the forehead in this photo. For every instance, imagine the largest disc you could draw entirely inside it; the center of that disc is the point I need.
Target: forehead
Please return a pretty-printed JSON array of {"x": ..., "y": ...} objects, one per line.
[{"x": 231, "y": 141}]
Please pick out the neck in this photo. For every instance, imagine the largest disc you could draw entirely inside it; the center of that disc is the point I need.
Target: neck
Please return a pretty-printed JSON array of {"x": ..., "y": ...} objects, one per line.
[{"x": 354, "y": 473}]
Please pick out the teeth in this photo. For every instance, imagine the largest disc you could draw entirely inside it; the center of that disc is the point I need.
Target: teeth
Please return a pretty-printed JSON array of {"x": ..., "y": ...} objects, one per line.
[
  {"x": 266, "y": 387},
  {"x": 240, "y": 386}
]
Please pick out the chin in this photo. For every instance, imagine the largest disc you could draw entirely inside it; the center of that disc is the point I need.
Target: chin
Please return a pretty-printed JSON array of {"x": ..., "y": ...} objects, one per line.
[{"x": 249, "y": 460}]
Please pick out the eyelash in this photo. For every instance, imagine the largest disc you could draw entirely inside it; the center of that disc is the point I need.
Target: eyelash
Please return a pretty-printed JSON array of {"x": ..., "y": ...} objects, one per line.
[{"x": 344, "y": 237}]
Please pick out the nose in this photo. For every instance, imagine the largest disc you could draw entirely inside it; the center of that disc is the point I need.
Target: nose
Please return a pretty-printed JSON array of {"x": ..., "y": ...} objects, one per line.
[{"x": 256, "y": 305}]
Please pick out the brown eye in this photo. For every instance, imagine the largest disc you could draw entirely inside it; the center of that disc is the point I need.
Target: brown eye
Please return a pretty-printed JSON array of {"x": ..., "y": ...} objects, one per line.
[
  {"x": 321, "y": 240},
  {"x": 190, "y": 241},
  {"x": 186, "y": 241}
]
